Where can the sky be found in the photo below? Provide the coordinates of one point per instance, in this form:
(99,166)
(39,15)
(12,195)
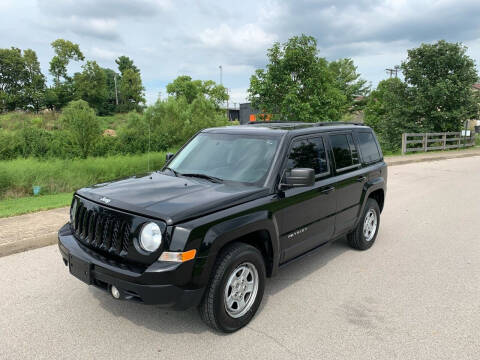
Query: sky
(168,38)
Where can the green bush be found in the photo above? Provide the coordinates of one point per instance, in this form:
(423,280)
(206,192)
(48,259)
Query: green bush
(80,120)
(57,176)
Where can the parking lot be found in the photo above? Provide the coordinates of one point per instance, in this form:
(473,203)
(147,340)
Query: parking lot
(415,294)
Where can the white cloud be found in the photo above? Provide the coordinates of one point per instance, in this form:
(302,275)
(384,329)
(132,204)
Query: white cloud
(167,38)
(246,38)
(104,54)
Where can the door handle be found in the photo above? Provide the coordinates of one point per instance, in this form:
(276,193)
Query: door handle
(361,178)
(327,190)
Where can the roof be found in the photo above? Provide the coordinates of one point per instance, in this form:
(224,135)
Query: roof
(282,127)
(476,86)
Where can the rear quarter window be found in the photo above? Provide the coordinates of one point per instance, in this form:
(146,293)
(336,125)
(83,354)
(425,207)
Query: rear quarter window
(368,147)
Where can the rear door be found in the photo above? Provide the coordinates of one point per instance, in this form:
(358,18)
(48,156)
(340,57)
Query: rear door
(308,213)
(349,179)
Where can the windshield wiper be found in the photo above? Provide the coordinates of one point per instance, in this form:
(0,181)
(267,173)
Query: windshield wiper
(204,176)
(173,171)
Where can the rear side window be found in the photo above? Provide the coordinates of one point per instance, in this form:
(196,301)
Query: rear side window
(308,154)
(368,147)
(344,151)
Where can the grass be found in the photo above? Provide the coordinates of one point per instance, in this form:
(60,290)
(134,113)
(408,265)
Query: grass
(50,120)
(11,207)
(17,177)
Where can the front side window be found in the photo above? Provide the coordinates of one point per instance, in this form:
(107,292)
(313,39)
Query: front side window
(368,147)
(344,150)
(231,157)
(308,154)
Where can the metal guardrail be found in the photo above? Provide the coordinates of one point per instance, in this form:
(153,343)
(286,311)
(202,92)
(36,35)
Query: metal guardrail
(436,141)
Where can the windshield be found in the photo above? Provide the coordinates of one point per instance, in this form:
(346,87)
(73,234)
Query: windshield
(234,157)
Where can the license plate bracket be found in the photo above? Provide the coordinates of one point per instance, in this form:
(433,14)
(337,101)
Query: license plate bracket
(80,269)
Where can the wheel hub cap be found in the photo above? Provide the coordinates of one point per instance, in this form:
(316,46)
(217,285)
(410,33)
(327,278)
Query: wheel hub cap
(370,225)
(241,290)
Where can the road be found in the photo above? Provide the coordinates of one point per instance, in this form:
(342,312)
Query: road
(414,295)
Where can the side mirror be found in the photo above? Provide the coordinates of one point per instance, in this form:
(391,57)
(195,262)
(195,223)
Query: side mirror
(169,156)
(299,177)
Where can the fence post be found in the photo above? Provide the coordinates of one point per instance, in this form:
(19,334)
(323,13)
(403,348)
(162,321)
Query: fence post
(404,143)
(425,142)
(444,141)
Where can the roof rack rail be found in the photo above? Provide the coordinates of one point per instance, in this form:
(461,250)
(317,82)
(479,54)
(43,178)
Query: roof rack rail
(321,123)
(274,122)
(330,123)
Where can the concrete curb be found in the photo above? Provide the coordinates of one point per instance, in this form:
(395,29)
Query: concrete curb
(392,162)
(28,244)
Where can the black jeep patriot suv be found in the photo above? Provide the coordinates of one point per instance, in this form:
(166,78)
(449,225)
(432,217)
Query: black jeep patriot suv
(225,212)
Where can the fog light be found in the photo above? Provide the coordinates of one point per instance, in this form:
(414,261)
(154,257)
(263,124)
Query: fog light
(115,292)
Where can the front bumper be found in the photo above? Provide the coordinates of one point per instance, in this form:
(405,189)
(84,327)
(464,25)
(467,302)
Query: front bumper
(162,283)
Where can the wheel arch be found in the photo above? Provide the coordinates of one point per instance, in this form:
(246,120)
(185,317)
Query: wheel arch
(374,189)
(258,229)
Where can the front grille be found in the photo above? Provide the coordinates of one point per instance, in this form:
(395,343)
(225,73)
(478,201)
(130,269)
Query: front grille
(101,230)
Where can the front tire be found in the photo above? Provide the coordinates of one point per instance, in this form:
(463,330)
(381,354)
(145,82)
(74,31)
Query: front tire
(235,290)
(364,235)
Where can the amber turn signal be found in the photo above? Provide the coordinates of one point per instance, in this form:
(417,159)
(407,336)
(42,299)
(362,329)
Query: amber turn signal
(178,256)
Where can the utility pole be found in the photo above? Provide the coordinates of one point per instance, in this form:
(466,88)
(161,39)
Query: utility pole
(395,70)
(228,111)
(221,74)
(116,92)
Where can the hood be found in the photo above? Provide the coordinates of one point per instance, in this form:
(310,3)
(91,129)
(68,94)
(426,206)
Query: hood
(172,199)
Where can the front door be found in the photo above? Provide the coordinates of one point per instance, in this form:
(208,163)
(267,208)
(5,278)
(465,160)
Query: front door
(307,213)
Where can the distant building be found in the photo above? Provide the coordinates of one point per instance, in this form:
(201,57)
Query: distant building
(249,114)
(233,114)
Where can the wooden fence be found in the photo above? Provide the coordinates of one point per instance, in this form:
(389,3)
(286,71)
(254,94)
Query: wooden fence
(435,141)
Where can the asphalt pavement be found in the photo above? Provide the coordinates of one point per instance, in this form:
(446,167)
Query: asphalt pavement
(414,295)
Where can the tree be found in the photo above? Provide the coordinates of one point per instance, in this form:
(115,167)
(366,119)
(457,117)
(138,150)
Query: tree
(63,90)
(124,63)
(389,111)
(131,90)
(91,86)
(348,81)
(184,86)
(297,84)
(110,105)
(440,77)
(12,79)
(65,51)
(34,91)
(82,124)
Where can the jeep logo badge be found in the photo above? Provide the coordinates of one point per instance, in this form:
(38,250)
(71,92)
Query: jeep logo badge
(105,200)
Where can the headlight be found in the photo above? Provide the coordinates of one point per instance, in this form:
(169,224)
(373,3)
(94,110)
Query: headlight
(150,237)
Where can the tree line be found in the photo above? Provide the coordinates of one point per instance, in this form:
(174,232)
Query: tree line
(435,94)
(23,86)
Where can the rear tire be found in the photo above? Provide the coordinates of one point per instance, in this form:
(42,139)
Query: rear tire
(364,235)
(235,290)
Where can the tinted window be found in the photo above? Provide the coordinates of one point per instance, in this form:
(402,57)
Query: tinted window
(308,154)
(344,150)
(368,147)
